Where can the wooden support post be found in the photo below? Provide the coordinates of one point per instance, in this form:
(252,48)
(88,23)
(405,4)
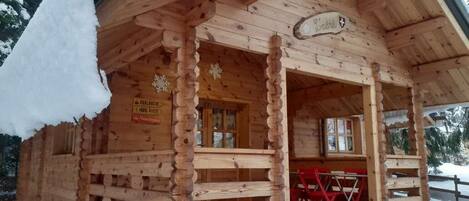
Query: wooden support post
(381,129)
(411,132)
(277,120)
(417,102)
(185,101)
(84,149)
(375,138)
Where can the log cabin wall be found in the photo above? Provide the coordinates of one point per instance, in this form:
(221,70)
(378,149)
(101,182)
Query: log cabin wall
(135,80)
(309,148)
(47,175)
(242,81)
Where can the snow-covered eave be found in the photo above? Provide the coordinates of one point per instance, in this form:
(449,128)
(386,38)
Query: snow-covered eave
(51,76)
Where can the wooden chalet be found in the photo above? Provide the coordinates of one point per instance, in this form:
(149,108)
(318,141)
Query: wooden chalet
(221,99)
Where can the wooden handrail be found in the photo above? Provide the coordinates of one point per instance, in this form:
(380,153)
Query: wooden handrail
(130,154)
(234,151)
(404,157)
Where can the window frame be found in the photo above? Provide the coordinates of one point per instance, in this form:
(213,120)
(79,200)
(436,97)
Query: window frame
(206,108)
(346,135)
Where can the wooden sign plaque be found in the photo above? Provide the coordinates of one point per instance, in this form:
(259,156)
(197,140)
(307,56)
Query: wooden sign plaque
(324,23)
(146,111)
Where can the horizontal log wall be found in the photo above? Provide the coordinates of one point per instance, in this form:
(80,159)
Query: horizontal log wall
(48,176)
(135,80)
(345,56)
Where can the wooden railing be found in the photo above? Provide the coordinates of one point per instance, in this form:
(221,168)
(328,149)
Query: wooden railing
(213,158)
(146,175)
(404,176)
(457,182)
(130,176)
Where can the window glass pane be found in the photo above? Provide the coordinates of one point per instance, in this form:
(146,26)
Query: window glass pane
(331,143)
(198,138)
(349,143)
(330,126)
(341,143)
(340,127)
(229,140)
(217,119)
(349,127)
(200,119)
(218,139)
(231,119)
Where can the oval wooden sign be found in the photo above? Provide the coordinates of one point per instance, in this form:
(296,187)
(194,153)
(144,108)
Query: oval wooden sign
(324,23)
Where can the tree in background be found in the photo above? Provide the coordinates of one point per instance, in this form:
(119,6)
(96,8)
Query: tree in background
(9,155)
(448,142)
(14,16)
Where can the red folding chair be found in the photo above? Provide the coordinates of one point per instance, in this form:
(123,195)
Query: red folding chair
(311,177)
(362,185)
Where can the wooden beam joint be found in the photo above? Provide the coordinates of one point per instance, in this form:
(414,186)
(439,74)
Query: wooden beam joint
(201,12)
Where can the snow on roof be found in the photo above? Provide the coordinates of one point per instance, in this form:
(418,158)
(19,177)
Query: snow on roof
(51,76)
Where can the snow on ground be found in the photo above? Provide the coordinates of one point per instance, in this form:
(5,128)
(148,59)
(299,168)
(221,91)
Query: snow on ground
(450,170)
(51,75)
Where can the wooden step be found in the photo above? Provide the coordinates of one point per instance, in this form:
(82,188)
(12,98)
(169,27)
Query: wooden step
(402,183)
(413,198)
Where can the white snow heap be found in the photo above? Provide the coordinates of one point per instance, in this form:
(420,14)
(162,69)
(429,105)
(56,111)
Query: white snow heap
(51,76)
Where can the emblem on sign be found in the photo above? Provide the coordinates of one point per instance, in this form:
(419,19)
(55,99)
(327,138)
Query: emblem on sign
(324,23)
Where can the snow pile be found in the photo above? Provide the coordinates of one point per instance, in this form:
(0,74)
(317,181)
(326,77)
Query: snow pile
(51,75)
(450,170)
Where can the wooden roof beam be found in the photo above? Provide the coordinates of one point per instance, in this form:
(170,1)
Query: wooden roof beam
(431,71)
(367,6)
(112,13)
(201,12)
(159,21)
(136,46)
(405,36)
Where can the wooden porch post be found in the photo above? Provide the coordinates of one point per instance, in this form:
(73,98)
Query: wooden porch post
(375,138)
(277,120)
(185,101)
(416,110)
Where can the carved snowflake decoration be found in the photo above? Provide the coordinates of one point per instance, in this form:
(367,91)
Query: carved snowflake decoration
(215,71)
(161,83)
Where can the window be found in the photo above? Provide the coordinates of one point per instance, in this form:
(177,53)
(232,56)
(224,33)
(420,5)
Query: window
(217,125)
(339,133)
(64,138)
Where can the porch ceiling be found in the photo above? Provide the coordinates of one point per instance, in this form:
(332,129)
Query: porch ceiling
(425,33)
(335,99)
